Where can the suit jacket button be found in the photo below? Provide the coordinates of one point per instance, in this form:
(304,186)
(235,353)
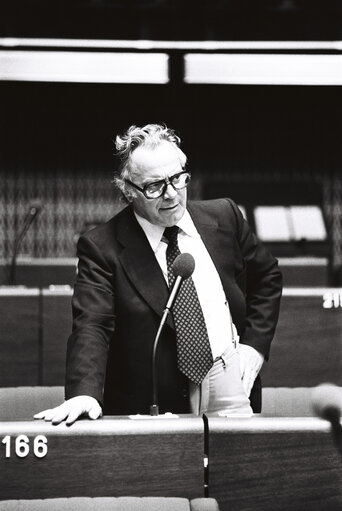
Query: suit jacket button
(185,393)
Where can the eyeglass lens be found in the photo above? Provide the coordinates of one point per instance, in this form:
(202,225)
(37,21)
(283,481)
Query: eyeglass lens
(157,189)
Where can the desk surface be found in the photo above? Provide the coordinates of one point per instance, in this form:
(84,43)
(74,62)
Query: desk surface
(108,425)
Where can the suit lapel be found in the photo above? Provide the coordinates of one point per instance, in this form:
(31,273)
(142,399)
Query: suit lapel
(141,265)
(220,245)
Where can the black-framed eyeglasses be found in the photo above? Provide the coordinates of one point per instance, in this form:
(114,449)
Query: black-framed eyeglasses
(157,188)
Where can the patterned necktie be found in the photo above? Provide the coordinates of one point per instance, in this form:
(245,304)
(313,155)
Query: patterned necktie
(193,348)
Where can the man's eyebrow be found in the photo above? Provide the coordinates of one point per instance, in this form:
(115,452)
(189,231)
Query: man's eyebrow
(156,180)
(153,180)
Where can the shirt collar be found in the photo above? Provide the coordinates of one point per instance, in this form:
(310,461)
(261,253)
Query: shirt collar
(154,233)
(187,226)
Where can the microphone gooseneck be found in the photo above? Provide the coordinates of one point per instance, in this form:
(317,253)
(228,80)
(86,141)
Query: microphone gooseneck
(326,402)
(183,267)
(34,210)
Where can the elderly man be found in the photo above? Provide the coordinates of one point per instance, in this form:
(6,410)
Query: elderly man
(224,317)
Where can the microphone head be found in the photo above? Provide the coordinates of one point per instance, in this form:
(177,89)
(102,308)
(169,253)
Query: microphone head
(35,206)
(183,266)
(326,402)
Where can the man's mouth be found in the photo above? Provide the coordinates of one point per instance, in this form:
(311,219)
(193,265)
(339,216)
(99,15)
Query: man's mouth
(170,207)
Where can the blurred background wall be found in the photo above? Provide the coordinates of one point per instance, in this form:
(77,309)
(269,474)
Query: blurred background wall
(262,143)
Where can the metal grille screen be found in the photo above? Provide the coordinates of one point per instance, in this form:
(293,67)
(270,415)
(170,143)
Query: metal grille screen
(71,203)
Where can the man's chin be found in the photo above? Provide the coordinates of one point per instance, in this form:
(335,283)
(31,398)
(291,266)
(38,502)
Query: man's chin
(172,216)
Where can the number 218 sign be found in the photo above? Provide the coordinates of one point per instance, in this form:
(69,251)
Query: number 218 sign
(332,300)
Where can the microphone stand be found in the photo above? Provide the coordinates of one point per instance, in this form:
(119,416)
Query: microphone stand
(333,415)
(34,210)
(326,403)
(154,408)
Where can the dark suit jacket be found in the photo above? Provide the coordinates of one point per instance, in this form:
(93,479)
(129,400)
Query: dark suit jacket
(120,295)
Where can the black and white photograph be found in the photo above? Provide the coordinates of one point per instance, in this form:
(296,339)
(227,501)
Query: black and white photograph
(170,255)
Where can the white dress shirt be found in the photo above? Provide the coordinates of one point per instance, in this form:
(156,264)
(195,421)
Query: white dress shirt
(221,330)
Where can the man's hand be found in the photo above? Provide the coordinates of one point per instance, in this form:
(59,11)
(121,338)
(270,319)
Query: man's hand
(71,410)
(250,364)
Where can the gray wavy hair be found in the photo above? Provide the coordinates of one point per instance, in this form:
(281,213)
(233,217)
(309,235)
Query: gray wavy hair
(150,136)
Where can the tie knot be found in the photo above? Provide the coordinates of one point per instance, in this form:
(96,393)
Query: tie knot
(171,233)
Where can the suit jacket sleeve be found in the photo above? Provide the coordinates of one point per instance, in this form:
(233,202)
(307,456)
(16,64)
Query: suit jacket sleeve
(262,286)
(93,323)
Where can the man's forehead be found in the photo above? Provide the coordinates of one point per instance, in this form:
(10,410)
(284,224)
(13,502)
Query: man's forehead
(149,159)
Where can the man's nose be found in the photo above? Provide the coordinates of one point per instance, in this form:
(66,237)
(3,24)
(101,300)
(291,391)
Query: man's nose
(170,192)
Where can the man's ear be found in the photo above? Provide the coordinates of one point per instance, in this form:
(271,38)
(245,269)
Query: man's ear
(128,194)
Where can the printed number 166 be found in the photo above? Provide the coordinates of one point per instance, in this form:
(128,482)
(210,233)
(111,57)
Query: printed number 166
(22,446)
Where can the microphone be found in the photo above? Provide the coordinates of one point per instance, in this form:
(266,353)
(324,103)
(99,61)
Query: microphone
(183,267)
(326,402)
(34,210)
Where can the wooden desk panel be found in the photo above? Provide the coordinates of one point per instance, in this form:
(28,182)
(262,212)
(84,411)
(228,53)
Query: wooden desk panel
(306,351)
(109,457)
(307,348)
(19,337)
(41,272)
(34,329)
(272,464)
(57,325)
(304,271)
